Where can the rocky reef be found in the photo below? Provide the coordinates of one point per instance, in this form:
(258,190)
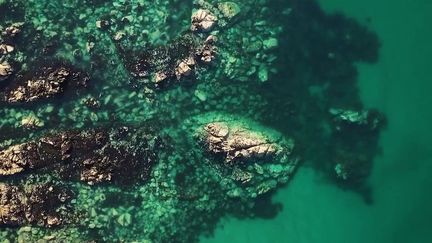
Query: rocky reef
(179,114)
(42,205)
(44,83)
(92,156)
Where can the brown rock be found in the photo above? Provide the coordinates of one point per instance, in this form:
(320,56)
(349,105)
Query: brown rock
(92,156)
(45,83)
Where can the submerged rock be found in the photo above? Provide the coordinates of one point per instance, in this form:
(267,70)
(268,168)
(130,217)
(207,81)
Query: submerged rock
(162,61)
(207,51)
(13,30)
(46,82)
(370,119)
(174,61)
(93,156)
(42,205)
(229,9)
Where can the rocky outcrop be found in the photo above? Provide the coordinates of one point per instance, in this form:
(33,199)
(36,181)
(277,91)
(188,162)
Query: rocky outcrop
(93,156)
(42,205)
(238,143)
(45,82)
(252,158)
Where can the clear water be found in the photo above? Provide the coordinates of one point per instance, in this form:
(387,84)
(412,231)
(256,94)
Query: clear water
(400,85)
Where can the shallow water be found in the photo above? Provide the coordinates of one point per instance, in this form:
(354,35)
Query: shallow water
(399,85)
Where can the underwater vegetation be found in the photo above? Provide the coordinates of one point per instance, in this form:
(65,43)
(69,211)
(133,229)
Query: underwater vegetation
(148,121)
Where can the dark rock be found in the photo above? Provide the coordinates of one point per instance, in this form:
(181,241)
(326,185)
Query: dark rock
(12,30)
(163,58)
(164,64)
(93,156)
(36,204)
(45,82)
(369,119)
(92,103)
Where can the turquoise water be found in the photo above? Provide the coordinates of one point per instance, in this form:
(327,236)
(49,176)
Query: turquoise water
(399,85)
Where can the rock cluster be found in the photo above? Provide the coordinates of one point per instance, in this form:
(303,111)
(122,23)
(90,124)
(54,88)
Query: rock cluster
(46,82)
(181,57)
(12,30)
(36,204)
(174,61)
(19,158)
(91,156)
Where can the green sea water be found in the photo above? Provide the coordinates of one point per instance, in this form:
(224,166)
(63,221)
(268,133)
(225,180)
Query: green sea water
(399,85)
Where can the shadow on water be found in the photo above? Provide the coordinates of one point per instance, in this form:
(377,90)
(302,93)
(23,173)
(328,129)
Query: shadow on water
(316,63)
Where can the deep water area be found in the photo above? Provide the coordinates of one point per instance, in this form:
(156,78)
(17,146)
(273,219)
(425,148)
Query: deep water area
(211,121)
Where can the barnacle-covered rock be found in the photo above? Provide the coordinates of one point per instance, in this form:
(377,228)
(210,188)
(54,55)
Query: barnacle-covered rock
(46,82)
(43,205)
(92,156)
